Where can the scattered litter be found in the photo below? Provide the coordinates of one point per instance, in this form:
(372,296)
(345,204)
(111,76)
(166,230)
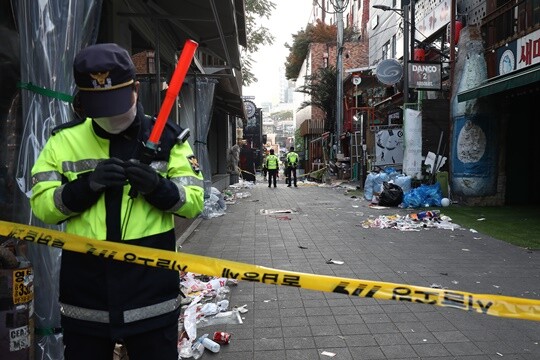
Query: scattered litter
(337,262)
(496,286)
(242,309)
(281,217)
(477,238)
(481,219)
(282,211)
(215,205)
(465,250)
(328,353)
(498,353)
(473,231)
(411,223)
(302,247)
(445,274)
(436,286)
(378,207)
(455,282)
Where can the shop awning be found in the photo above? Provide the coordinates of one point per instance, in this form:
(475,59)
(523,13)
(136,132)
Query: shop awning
(506,83)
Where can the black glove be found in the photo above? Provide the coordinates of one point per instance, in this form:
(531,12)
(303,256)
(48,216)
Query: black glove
(143,178)
(108,173)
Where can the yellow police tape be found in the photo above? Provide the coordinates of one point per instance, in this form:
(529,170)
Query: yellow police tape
(495,305)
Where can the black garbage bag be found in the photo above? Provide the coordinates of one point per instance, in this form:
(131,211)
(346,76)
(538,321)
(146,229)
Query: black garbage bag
(391,195)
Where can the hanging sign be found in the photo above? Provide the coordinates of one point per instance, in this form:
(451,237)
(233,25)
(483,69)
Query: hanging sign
(425,75)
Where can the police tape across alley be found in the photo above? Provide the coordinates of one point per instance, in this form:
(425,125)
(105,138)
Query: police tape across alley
(488,304)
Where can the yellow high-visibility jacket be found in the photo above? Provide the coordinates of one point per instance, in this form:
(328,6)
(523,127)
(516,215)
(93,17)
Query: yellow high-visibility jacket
(99,294)
(272,162)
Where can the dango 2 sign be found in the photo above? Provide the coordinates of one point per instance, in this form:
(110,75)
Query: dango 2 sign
(425,75)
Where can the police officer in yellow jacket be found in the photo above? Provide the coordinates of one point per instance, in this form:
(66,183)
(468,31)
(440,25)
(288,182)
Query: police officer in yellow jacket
(272,164)
(292,163)
(83,177)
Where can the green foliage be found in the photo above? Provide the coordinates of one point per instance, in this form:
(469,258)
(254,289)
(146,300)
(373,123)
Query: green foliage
(322,89)
(318,33)
(298,141)
(257,35)
(282,115)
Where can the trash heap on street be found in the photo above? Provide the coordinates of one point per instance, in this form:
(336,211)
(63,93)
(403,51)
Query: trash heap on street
(390,188)
(416,221)
(205,303)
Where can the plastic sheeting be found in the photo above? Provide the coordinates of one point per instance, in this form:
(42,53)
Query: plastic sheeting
(204,96)
(186,101)
(51,33)
(412,157)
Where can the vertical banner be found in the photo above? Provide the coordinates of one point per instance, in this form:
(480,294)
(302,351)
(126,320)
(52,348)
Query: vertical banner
(474,156)
(412,157)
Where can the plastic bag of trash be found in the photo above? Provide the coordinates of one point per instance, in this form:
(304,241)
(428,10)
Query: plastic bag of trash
(423,196)
(214,205)
(392,195)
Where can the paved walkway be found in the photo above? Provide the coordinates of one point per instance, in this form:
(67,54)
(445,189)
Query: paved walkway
(291,323)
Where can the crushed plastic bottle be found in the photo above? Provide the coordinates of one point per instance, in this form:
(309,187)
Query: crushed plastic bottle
(209,343)
(197,349)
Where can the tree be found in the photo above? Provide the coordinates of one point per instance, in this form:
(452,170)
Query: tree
(256,34)
(321,86)
(298,140)
(318,33)
(282,115)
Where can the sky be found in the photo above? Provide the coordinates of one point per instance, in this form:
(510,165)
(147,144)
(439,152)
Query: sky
(289,17)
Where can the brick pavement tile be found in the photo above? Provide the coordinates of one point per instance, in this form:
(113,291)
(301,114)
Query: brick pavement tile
(299,343)
(354,329)
(420,337)
(399,351)
(324,330)
(450,336)
(301,354)
(433,350)
(267,332)
(463,349)
(390,339)
(294,321)
(296,331)
(360,340)
(267,344)
(367,353)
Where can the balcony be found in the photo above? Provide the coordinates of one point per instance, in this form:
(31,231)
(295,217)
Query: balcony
(312,127)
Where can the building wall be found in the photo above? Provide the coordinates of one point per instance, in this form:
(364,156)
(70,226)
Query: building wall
(355,55)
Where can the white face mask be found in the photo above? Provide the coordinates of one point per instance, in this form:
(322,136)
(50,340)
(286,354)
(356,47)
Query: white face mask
(118,123)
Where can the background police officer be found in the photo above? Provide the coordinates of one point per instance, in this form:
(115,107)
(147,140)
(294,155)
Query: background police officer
(272,164)
(292,163)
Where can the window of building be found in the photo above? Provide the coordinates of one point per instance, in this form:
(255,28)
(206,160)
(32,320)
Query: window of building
(386,50)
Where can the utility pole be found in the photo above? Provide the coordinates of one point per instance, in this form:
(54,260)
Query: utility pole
(406,46)
(339,67)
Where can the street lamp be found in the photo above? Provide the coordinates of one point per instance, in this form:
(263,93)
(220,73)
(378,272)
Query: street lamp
(404,12)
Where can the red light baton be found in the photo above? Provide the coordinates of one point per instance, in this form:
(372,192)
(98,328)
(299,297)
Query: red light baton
(172,92)
(151,145)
